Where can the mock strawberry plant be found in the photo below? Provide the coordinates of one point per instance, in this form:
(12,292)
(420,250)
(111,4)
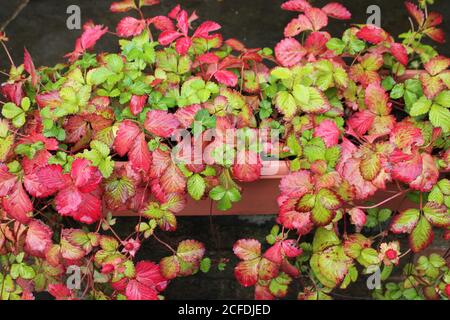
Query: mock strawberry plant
(179,112)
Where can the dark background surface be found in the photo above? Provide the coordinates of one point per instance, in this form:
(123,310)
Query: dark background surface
(41,27)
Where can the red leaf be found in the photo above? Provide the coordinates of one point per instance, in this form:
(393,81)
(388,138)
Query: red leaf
(296,184)
(45,182)
(405,167)
(183,22)
(139,155)
(168,36)
(436,34)
(182,45)
(377,100)
(429,175)
(235,45)
(208,58)
(190,251)
(357,217)
(126,135)
(317,17)
(290,248)
(92,33)
(372,34)
(263,293)
(173,181)
(143,3)
(18,205)
(247,249)
(76,128)
(162,23)
(328,131)
(415,12)
(361,121)
(170,267)
(52,177)
(300,221)
(296,5)
(160,161)
(85,176)
(434,19)
(13,92)
(226,77)
(436,65)
(122,6)
(400,53)
(137,103)
(282,249)
(68,200)
(246,272)
(39,238)
(289,52)
(50,99)
(186,115)
(337,11)
(30,68)
(173,14)
(90,209)
(149,274)
(7,180)
(161,123)
(60,291)
(205,28)
(247,167)
(405,134)
(138,291)
(351,172)
(130,26)
(316,43)
(297,26)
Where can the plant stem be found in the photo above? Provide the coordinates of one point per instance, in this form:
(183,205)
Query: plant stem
(384,201)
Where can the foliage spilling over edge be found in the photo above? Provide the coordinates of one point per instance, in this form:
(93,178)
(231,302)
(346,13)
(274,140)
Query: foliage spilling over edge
(347,122)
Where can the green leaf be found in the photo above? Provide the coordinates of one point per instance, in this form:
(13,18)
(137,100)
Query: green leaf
(205,265)
(25,104)
(368,257)
(397,91)
(11,111)
(405,221)
(333,265)
(217,193)
(438,215)
(440,117)
(422,235)
(281,73)
(196,186)
(443,98)
(420,107)
(324,238)
(286,104)
(98,76)
(114,62)
(436,260)
(386,272)
(410,293)
(106,167)
(384,215)
(336,45)
(388,83)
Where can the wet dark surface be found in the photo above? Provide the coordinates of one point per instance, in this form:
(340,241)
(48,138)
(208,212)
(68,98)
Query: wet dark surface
(41,27)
